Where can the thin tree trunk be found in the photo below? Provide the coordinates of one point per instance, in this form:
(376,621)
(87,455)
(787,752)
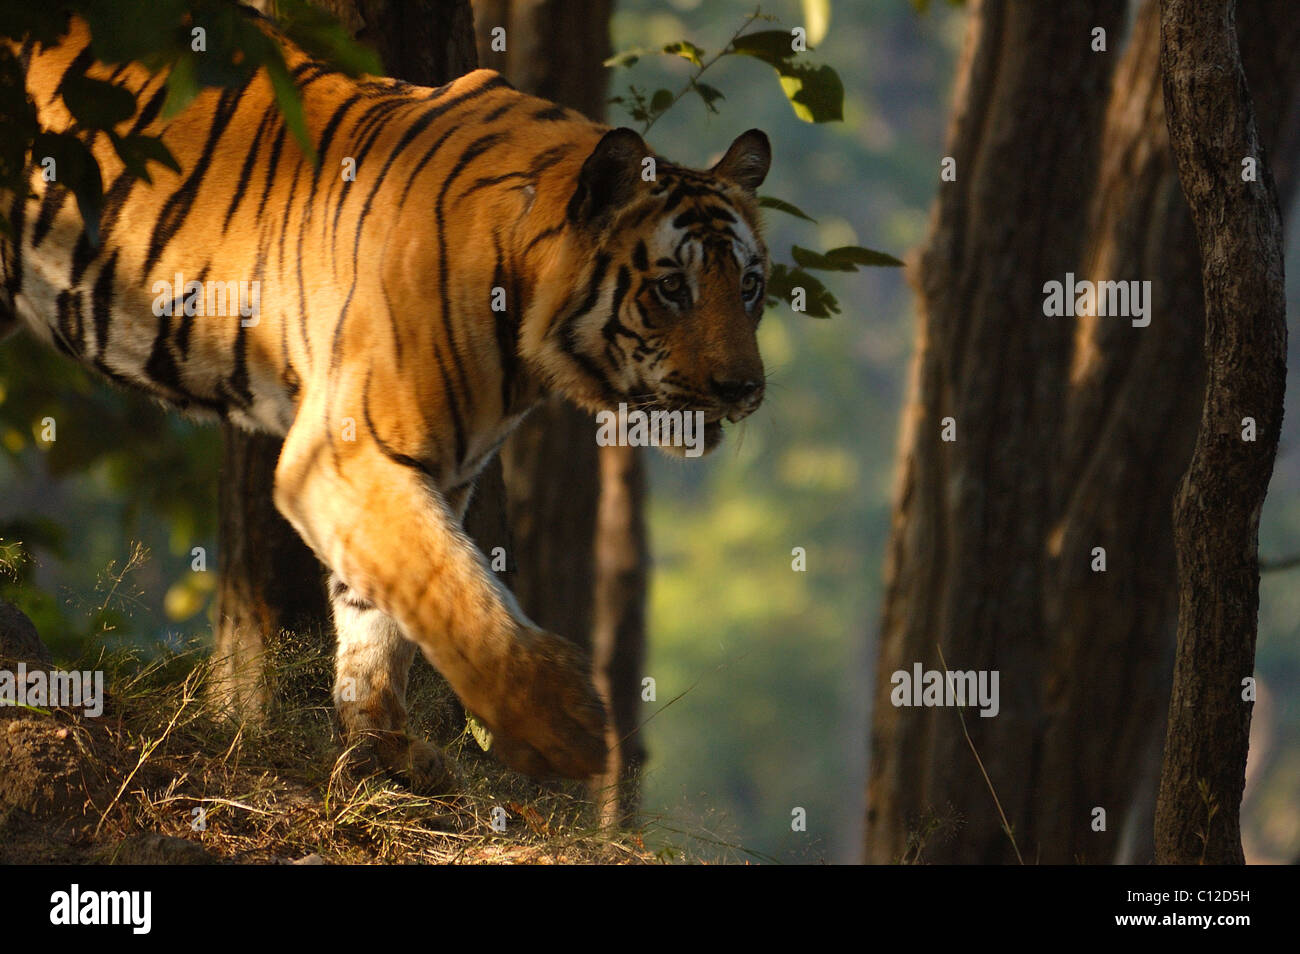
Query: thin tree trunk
(1133,407)
(1212,129)
(269,581)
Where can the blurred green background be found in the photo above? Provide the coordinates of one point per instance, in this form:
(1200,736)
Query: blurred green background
(772,666)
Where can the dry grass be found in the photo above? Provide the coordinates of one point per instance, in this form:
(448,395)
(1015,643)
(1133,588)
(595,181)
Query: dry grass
(164,759)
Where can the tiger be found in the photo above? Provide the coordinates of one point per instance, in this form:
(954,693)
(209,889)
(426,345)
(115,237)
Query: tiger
(487,250)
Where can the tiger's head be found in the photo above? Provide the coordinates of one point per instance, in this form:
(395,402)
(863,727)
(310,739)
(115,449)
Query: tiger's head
(675,275)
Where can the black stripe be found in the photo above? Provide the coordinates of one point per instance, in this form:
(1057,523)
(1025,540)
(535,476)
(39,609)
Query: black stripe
(392,453)
(51,203)
(237,384)
(453,405)
(327,136)
(177,207)
(544,234)
(272,168)
(475,149)
(614,327)
(567,329)
(246,173)
(83,253)
(151,109)
(71,322)
(187,321)
(161,367)
(367,132)
(506,335)
(488,181)
(17,214)
(101,304)
(547,158)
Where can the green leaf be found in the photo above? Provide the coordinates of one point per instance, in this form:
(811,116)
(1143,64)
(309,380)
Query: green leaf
(807,258)
(710,95)
(123,31)
(325,38)
(137,150)
(784,283)
(661,100)
(857,255)
(815,92)
(626,58)
(182,86)
(94,103)
(771,202)
(290,102)
(482,734)
(770,46)
(686,50)
(75,169)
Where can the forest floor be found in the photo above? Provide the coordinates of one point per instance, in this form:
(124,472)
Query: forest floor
(161,776)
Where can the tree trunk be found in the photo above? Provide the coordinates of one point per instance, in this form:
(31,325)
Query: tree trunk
(1133,406)
(575,508)
(1129,402)
(1216,513)
(270,581)
(964,567)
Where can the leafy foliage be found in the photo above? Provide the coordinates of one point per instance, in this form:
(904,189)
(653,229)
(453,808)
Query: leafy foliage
(201,43)
(816,95)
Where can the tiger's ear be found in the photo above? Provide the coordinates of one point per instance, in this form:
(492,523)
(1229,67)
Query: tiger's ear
(610,176)
(747,160)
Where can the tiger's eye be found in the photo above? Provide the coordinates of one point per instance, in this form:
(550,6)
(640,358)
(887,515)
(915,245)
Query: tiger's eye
(671,284)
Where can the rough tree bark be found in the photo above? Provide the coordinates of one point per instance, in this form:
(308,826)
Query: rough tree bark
(964,566)
(269,581)
(1212,129)
(1133,406)
(1130,402)
(575,508)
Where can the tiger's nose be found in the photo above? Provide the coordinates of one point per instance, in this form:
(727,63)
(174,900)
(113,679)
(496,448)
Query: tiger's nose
(747,391)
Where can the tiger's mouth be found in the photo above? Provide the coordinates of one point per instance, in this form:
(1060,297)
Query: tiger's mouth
(698,428)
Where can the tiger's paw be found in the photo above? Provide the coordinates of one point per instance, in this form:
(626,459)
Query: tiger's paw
(550,722)
(423,768)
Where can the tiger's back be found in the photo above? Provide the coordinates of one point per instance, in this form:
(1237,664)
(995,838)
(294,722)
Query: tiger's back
(259,228)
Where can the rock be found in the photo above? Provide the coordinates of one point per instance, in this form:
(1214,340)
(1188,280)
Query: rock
(312,859)
(150,848)
(19,641)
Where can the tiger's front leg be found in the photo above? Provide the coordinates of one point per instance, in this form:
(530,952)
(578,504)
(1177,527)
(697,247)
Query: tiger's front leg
(372,664)
(387,533)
